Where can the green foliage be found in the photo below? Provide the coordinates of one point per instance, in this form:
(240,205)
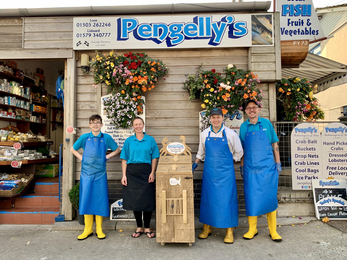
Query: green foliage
(43,150)
(129,76)
(228,93)
(298,100)
(74,195)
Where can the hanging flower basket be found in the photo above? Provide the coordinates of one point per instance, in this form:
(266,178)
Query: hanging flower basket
(228,93)
(128,77)
(298,100)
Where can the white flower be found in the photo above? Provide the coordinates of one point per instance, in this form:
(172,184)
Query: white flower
(230,66)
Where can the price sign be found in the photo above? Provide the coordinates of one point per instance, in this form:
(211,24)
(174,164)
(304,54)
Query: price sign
(17,146)
(15,164)
(69,129)
(306,156)
(330,198)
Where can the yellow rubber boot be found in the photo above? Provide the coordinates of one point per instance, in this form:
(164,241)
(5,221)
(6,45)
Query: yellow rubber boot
(229,237)
(88,227)
(271,221)
(252,231)
(206,231)
(98,221)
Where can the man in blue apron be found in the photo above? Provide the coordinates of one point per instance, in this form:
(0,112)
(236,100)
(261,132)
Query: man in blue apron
(93,198)
(260,168)
(218,146)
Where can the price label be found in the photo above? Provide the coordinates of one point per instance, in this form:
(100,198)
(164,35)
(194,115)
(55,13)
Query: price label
(69,129)
(17,146)
(15,164)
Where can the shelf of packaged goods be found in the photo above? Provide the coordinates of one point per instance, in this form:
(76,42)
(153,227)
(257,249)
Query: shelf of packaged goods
(13,119)
(3,93)
(20,192)
(10,77)
(37,123)
(26,144)
(39,103)
(47,160)
(14,107)
(41,113)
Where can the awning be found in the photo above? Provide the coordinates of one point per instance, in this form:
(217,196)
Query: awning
(254,6)
(324,72)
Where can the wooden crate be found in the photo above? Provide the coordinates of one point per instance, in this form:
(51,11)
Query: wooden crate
(175,199)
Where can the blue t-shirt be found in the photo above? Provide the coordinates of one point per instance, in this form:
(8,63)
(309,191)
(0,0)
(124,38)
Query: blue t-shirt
(267,127)
(139,151)
(81,142)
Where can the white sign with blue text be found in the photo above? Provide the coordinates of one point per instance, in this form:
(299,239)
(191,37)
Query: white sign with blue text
(334,151)
(167,31)
(298,20)
(306,156)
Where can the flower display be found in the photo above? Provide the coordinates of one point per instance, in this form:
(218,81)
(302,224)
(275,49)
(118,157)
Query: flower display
(298,100)
(228,93)
(128,77)
(121,108)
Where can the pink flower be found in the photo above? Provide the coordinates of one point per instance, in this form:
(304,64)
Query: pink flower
(240,108)
(236,83)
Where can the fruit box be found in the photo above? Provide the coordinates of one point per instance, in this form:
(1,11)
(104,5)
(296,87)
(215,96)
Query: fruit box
(47,170)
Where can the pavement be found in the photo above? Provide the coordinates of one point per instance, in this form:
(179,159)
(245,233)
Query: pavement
(303,238)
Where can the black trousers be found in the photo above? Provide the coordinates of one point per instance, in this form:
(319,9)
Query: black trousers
(146,218)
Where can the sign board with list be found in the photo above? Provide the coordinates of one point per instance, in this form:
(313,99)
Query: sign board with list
(330,198)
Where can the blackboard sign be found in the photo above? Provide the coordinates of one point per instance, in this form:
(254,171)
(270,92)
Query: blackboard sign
(119,213)
(330,198)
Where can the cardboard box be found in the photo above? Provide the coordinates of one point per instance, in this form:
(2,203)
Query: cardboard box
(47,170)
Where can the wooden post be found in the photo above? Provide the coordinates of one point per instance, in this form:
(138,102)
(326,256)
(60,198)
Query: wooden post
(69,139)
(277,41)
(185,207)
(163,206)
(272,102)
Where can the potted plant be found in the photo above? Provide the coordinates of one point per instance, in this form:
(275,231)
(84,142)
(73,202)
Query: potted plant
(74,195)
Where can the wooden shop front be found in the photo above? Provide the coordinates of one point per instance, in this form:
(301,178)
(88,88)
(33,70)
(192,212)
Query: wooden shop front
(169,112)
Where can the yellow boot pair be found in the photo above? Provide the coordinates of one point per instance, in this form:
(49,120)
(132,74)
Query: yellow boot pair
(271,220)
(207,231)
(88,227)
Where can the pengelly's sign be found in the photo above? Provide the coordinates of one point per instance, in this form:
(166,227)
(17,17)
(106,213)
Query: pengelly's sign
(181,31)
(316,155)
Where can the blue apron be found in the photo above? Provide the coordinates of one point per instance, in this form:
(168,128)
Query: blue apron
(93,183)
(260,176)
(219,205)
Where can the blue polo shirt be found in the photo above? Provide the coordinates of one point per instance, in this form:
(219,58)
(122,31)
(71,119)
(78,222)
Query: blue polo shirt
(267,127)
(139,151)
(81,142)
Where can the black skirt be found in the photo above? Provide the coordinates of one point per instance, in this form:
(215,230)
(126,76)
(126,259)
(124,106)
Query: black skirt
(138,195)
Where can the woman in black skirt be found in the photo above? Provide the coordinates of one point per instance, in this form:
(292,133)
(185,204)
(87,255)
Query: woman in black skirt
(139,160)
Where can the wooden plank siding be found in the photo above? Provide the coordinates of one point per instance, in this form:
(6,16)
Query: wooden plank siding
(168,109)
(11,33)
(48,32)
